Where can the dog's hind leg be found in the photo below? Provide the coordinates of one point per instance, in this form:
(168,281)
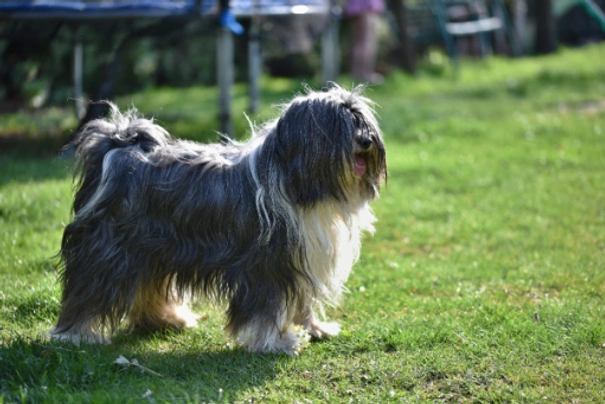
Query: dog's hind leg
(79,321)
(156,307)
(88,331)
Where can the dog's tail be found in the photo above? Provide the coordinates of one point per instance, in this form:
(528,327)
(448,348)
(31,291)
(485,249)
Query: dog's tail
(99,136)
(97,140)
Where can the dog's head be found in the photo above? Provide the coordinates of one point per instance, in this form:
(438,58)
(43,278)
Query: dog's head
(329,146)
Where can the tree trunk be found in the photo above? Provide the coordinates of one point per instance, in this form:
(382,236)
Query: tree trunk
(406,52)
(546,41)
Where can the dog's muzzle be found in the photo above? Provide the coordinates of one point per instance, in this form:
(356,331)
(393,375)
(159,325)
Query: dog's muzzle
(364,143)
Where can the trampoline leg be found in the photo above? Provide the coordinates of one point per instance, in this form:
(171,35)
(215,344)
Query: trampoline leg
(255,64)
(330,53)
(224,73)
(77,74)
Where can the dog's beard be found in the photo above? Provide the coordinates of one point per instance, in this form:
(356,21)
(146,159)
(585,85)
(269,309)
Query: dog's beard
(272,226)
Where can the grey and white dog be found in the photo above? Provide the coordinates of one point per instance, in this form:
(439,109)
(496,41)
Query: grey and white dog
(271,227)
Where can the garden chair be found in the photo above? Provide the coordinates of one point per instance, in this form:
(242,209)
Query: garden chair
(448,20)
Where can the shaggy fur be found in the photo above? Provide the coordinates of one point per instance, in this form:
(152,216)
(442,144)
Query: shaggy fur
(272,227)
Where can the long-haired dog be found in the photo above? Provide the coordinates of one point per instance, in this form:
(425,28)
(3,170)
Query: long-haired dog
(271,227)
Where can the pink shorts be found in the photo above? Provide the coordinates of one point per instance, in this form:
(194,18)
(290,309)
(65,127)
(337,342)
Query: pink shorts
(356,7)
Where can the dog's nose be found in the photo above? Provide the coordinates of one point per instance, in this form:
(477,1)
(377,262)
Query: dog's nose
(364,142)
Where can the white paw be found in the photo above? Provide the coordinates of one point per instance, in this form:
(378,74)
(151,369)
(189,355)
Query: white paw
(321,329)
(292,339)
(184,317)
(76,338)
(302,338)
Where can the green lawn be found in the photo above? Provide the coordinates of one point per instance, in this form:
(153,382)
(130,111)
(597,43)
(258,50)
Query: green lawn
(485,281)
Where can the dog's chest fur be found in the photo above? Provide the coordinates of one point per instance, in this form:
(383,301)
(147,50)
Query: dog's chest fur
(332,238)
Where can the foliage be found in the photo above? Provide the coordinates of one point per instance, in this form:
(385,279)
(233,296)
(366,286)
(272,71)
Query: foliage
(484,282)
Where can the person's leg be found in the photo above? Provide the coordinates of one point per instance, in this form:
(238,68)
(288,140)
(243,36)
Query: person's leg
(365,47)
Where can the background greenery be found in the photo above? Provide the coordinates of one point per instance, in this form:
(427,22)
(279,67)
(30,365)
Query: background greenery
(485,281)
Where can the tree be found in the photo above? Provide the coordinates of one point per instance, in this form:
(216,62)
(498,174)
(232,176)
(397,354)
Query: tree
(406,51)
(545,27)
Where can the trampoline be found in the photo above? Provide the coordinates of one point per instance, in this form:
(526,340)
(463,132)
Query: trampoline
(225,11)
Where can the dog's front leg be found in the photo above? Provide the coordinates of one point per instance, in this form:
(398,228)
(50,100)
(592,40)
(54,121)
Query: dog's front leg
(264,337)
(316,328)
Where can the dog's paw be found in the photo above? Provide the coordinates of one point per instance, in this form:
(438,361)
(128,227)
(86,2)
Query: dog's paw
(291,340)
(322,329)
(184,317)
(302,338)
(79,337)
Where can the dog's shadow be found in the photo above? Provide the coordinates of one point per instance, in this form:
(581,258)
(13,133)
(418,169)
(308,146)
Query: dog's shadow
(199,363)
(170,370)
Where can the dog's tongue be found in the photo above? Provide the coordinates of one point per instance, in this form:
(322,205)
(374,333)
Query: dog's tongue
(359,168)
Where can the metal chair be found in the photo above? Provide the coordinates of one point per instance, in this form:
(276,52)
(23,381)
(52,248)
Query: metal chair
(477,19)
(446,21)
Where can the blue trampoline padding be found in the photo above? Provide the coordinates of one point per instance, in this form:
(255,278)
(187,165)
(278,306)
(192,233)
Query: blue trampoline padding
(270,7)
(227,20)
(40,9)
(92,6)
(95,9)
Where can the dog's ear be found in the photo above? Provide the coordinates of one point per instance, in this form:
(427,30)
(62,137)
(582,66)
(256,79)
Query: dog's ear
(313,141)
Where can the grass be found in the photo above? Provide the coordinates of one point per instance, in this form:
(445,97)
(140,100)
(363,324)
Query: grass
(485,281)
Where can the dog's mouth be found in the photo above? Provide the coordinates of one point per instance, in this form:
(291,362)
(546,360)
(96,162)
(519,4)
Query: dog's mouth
(360,165)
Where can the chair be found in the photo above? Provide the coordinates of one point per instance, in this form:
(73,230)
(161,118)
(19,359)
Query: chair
(447,21)
(474,19)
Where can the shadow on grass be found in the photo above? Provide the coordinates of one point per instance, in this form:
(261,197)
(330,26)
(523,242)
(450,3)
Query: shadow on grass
(44,370)
(25,167)
(189,367)
(33,146)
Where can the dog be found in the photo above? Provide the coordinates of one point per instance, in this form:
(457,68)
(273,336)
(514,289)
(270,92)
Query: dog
(271,227)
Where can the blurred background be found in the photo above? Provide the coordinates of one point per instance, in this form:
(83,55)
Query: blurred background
(485,279)
(129,55)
